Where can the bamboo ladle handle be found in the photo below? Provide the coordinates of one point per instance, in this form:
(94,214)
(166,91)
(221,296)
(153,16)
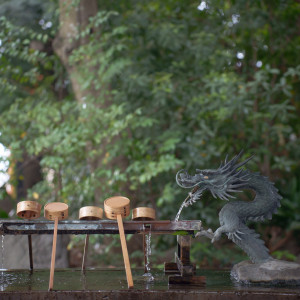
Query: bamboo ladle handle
(116,208)
(53,255)
(55,211)
(85,251)
(125,252)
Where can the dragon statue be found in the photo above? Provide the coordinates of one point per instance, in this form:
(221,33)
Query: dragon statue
(221,183)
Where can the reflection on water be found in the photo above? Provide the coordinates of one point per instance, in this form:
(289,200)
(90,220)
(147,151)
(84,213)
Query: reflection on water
(115,279)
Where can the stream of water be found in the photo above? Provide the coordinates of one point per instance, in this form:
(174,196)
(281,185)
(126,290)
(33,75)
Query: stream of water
(2,253)
(179,211)
(2,264)
(184,203)
(148,274)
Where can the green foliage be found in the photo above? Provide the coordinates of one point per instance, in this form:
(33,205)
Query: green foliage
(289,214)
(284,254)
(216,256)
(167,86)
(3,214)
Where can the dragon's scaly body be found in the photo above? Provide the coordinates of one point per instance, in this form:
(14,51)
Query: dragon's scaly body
(224,181)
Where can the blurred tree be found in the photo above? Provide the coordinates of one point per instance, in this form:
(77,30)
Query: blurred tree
(139,89)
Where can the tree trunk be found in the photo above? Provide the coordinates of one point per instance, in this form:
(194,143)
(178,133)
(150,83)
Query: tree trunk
(73,20)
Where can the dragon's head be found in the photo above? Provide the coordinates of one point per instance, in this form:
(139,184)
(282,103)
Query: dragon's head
(220,182)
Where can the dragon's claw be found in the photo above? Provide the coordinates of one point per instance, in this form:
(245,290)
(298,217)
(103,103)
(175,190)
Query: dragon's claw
(235,235)
(217,235)
(240,232)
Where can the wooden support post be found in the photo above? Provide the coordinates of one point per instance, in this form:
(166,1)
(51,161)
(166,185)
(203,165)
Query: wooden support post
(184,247)
(182,258)
(185,270)
(183,265)
(30,252)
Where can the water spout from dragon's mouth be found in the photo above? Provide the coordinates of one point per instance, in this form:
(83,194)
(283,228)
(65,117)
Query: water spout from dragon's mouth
(185,180)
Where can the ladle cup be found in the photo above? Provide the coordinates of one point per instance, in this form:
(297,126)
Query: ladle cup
(55,211)
(89,213)
(117,208)
(29,210)
(143,214)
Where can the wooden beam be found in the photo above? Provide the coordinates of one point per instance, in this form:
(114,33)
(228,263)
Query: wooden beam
(15,227)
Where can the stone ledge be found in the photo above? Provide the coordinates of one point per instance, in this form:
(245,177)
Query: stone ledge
(271,272)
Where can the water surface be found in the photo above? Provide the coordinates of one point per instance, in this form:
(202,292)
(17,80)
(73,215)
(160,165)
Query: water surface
(115,279)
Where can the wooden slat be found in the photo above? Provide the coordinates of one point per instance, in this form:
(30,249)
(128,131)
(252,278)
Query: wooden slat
(171,267)
(190,280)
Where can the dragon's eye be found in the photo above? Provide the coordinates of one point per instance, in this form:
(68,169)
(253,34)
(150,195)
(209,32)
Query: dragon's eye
(205,177)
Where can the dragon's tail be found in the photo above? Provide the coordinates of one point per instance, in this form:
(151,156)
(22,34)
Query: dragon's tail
(249,241)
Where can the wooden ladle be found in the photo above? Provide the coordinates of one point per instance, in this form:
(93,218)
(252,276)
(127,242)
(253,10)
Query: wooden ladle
(143,214)
(29,210)
(89,213)
(117,208)
(55,211)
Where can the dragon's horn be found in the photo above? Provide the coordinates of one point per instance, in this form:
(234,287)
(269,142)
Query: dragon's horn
(225,161)
(244,162)
(231,163)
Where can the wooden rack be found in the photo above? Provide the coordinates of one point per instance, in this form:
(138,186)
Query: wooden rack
(183,229)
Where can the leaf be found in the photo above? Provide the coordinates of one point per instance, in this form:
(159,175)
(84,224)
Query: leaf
(3,214)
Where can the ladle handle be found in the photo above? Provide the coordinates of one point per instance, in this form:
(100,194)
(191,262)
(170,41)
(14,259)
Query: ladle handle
(86,246)
(125,252)
(53,255)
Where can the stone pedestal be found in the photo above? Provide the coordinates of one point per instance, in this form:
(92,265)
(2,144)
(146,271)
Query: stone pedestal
(271,272)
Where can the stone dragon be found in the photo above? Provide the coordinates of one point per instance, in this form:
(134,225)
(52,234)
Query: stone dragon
(221,183)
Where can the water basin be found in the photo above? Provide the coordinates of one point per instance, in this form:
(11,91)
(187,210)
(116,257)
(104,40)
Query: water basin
(112,284)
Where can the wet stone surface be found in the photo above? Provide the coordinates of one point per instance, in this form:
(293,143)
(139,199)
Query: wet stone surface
(271,272)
